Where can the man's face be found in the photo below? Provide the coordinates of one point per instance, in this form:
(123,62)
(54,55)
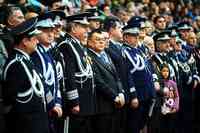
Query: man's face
(132,40)
(116,32)
(46,37)
(94,24)
(164,46)
(184,33)
(160,23)
(16,18)
(97,42)
(123,15)
(80,32)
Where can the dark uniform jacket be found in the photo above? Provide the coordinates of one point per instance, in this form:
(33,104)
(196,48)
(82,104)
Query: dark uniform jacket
(140,74)
(46,66)
(78,76)
(23,90)
(159,59)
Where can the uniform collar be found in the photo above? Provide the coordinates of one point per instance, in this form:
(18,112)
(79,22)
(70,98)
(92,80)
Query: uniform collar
(24,53)
(46,49)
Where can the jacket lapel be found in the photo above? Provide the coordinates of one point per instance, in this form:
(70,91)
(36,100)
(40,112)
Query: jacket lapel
(101,63)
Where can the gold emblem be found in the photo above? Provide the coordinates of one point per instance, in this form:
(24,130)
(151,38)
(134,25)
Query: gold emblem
(88,59)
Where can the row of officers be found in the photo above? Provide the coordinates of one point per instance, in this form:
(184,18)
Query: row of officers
(97,80)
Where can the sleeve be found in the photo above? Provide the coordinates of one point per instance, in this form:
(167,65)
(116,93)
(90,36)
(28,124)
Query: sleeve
(192,63)
(158,82)
(70,92)
(3,57)
(131,83)
(58,98)
(12,82)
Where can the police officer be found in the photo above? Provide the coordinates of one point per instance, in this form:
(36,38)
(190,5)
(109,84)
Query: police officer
(189,80)
(94,18)
(161,57)
(47,67)
(138,66)
(79,95)
(138,21)
(162,50)
(23,89)
(57,18)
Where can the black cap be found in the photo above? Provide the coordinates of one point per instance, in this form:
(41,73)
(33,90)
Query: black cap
(26,28)
(131,30)
(136,21)
(162,36)
(80,18)
(52,14)
(173,30)
(94,14)
(184,26)
(50,19)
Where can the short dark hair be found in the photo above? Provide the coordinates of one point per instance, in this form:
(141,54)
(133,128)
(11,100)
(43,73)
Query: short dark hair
(110,22)
(8,11)
(157,17)
(100,31)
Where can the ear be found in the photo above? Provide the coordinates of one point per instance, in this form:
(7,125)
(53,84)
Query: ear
(10,20)
(24,41)
(74,28)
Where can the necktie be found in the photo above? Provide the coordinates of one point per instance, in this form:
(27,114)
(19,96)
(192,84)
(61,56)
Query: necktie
(104,58)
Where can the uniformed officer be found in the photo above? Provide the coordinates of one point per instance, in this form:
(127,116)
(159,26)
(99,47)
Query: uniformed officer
(79,95)
(184,28)
(161,57)
(138,21)
(189,80)
(95,18)
(57,19)
(162,50)
(46,65)
(140,80)
(23,89)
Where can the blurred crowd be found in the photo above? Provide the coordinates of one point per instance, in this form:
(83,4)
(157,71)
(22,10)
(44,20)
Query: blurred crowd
(103,66)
